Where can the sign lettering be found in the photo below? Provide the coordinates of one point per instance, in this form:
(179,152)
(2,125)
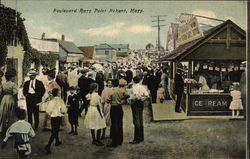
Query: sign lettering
(189,32)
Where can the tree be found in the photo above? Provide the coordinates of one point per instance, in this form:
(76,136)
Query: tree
(149,46)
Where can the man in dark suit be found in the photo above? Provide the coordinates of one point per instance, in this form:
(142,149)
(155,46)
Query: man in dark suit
(152,85)
(33,90)
(84,85)
(178,89)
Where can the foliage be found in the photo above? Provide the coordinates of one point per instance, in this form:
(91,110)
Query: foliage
(12,32)
(149,46)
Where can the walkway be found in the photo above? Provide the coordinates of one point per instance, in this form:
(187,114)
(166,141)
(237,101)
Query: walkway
(166,111)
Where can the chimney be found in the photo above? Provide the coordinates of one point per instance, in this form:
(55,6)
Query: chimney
(43,36)
(63,38)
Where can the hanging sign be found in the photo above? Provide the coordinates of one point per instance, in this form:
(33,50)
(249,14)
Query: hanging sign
(189,32)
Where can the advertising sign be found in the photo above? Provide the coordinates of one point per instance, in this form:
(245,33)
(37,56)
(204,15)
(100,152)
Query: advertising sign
(189,32)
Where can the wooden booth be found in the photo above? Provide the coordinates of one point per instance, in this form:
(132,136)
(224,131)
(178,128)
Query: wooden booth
(217,56)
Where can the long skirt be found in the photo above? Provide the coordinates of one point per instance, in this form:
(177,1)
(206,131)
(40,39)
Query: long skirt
(106,112)
(7,115)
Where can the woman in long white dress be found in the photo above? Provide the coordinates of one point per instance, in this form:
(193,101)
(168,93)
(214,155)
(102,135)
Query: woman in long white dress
(94,119)
(9,91)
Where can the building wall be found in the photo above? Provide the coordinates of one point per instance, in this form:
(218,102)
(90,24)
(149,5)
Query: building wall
(74,57)
(17,52)
(101,55)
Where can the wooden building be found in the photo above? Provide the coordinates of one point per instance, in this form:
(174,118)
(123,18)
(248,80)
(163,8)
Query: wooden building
(218,54)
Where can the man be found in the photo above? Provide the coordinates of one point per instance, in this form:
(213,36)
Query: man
(243,87)
(140,94)
(152,86)
(178,90)
(62,81)
(129,75)
(84,85)
(33,90)
(116,99)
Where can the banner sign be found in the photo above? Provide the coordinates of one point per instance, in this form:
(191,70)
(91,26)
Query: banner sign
(189,32)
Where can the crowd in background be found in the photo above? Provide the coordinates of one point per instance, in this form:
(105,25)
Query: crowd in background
(96,92)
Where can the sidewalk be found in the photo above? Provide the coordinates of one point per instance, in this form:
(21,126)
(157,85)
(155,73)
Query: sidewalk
(166,111)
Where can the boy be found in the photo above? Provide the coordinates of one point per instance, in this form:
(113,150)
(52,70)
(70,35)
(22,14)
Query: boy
(21,131)
(73,110)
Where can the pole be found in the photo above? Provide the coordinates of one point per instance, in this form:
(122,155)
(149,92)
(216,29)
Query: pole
(159,29)
(203,17)
(159,42)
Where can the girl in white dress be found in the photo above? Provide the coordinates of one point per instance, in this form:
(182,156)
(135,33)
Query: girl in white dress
(94,118)
(236,104)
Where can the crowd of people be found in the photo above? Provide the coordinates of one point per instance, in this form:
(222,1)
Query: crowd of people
(96,93)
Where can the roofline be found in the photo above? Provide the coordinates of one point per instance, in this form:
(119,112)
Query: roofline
(202,41)
(213,33)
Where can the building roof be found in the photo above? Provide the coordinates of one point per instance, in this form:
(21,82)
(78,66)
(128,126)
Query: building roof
(68,46)
(44,45)
(181,50)
(88,51)
(112,46)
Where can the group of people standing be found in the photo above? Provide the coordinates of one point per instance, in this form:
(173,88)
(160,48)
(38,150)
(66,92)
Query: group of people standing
(98,95)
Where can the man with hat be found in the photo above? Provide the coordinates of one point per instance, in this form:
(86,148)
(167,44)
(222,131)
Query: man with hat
(178,89)
(243,86)
(33,90)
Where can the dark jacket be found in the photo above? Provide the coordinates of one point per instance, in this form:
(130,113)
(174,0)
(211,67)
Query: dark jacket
(129,76)
(84,85)
(39,90)
(178,84)
(152,83)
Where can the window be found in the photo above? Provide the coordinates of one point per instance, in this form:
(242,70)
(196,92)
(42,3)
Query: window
(106,52)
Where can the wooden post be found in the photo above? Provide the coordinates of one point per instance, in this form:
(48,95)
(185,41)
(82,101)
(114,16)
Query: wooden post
(228,36)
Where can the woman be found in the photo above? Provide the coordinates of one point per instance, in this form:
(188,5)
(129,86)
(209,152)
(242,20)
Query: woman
(52,84)
(106,106)
(9,100)
(94,119)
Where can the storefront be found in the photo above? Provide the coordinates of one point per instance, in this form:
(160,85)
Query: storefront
(213,60)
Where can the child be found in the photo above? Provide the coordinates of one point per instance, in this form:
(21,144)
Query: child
(94,119)
(21,130)
(73,110)
(236,104)
(56,108)
(160,93)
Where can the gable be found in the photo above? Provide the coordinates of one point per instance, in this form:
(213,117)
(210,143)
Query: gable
(228,42)
(236,35)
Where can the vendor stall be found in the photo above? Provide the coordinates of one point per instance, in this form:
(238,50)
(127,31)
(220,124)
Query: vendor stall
(212,63)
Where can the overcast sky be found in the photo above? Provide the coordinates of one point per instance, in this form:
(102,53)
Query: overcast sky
(87,29)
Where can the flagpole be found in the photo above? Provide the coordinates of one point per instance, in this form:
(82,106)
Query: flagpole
(203,17)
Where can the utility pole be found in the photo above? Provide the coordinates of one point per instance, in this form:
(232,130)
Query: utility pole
(159,28)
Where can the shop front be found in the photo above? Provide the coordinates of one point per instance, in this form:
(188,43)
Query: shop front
(210,66)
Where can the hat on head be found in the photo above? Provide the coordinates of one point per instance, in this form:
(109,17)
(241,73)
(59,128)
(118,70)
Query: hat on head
(90,74)
(32,73)
(84,70)
(243,64)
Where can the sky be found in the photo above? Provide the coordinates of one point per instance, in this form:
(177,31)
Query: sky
(87,23)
